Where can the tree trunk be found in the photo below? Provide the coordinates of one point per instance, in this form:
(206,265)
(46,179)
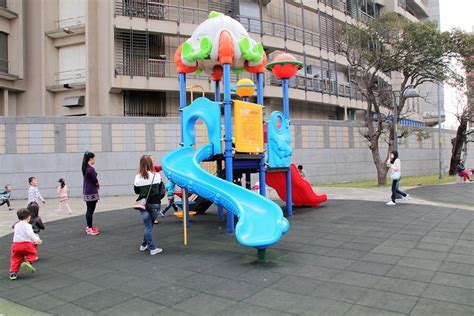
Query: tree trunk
(379,163)
(458,144)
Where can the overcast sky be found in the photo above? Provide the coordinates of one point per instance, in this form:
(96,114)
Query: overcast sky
(455,14)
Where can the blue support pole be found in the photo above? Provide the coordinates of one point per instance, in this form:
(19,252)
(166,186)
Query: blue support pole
(228,138)
(217,98)
(261,173)
(182,105)
(286,113)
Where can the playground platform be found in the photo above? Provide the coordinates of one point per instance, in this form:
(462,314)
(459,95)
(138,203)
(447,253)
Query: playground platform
(347,257)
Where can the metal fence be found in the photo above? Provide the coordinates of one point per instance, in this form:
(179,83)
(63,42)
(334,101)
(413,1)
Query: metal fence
(70,76)
(70,22)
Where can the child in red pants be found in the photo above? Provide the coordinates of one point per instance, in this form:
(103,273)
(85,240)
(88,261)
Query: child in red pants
(23,250)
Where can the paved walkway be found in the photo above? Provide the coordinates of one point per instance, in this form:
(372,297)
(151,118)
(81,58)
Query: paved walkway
(348,257)
(456,193)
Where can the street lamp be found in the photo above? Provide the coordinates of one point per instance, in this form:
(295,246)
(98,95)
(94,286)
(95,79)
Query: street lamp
(409,92)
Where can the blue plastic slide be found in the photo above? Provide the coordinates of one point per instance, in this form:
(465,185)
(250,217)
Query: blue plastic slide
(261,222)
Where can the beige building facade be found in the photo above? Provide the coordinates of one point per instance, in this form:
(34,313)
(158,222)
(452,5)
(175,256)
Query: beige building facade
(115,57)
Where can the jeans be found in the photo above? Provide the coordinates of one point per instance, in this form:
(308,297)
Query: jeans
(396,190)
(148,225)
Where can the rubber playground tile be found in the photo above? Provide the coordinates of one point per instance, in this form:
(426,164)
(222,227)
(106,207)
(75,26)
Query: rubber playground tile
(407,287)
(43,302)
(339,292)
(76,291)
(356,279)
(234,290)
(408,273)
(204,304)
(388,301)
(451,279)
(458,268)
(297,285)
(318,306)
(449,294)
(71,310)
(200,282)
(427,264)
(240,309)
(102,300)
(358,310)
(169,295)
(437,308)
(274,299)
(134,307)
(369,267)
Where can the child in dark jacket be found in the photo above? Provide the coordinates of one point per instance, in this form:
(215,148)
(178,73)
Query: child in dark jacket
(5,196)
(35,220)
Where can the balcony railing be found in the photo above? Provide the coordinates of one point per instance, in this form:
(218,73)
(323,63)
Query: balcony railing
(4,65)
(70,77)
(167,69)
(167,12)
(70,22)
(336,4)
(160,11)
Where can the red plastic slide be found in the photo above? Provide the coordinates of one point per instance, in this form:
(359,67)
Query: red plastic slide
(303,194)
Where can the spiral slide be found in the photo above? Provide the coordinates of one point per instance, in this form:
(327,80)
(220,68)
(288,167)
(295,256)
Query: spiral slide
(302,192)
(261,222)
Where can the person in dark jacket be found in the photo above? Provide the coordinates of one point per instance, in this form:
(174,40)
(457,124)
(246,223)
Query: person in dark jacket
(35,220)
(148,181)
(90,189)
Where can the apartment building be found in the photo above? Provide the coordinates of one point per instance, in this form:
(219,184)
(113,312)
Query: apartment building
(115,57)
(12,51)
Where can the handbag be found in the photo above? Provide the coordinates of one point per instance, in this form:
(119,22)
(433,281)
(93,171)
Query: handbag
(140,205)
(396,175)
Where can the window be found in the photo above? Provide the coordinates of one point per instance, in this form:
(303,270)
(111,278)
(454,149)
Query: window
(3,52)
(72,64)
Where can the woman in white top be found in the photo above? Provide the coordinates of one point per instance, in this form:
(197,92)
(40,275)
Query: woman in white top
(395,166)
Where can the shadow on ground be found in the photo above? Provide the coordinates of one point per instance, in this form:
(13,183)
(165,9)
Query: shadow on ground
(347,257)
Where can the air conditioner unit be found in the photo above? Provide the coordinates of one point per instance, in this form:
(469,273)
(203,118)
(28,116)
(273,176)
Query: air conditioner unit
(70,102)
(313,71)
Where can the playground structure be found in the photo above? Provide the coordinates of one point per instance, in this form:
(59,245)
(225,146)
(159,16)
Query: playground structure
(218,46)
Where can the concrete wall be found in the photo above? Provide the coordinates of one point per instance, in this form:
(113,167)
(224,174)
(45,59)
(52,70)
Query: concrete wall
(52,147)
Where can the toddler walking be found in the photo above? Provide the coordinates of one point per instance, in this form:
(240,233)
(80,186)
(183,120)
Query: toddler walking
(63,198)
(23,250)
(5,196)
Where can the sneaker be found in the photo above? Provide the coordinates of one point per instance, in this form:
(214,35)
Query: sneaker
(13,276)
(92,232)
(28,266)
(391,203)
(143,248)
(155,251)
(162,214)
(156,222)
(407,197)
(94,228)
(11,209)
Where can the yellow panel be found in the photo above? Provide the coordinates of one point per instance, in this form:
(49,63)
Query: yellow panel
(248,119)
